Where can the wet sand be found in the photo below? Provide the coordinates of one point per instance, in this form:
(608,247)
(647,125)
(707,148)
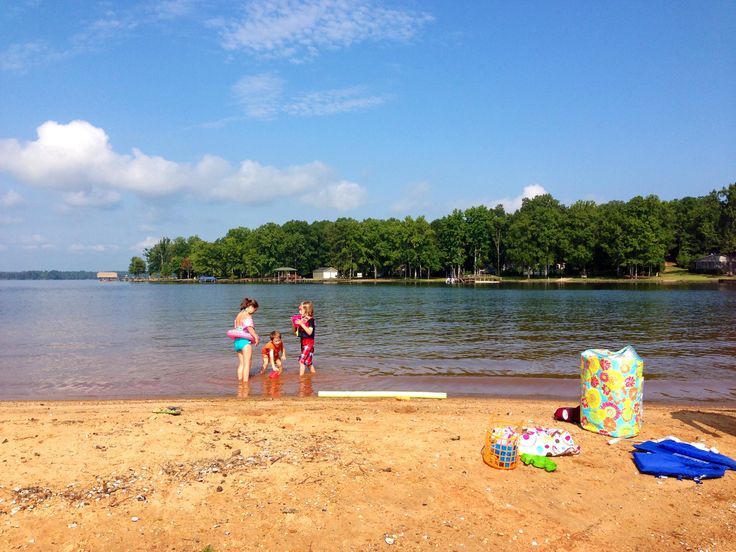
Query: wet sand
(342,474)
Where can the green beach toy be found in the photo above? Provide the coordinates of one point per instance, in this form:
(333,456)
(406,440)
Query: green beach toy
(172,410)
(537,461)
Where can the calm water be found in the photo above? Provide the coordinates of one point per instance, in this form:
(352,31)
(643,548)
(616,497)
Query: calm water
(85,339)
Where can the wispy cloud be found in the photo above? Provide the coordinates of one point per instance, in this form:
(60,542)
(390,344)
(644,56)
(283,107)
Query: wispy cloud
(92,198)
(94,35)
(22,56)
(330,102)
(4,221)
(96,248)
(78,160)
(10,198)
(260,96)
(263,97)
(299,30)
(416,197)
(34,242)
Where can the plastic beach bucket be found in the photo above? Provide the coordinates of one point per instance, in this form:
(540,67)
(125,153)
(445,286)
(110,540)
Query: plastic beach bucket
(501,447)
(611,391)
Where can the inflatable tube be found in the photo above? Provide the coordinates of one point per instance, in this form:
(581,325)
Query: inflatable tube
(237,333)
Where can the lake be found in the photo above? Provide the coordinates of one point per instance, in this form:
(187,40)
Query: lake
(88,339)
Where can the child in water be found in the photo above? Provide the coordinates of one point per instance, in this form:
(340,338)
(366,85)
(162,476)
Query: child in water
(242,346)
(274,353)
(305,330)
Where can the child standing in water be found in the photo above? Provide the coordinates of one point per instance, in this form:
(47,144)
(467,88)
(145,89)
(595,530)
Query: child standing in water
(305,330)
(242,346)
(274,353)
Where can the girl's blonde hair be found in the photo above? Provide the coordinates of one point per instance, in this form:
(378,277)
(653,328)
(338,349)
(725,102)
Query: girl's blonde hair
(308,307)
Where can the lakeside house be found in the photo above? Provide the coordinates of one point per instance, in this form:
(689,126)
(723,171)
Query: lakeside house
(107,276)
(714,263)
(324,273)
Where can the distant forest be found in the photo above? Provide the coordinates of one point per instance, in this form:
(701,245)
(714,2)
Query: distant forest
(542,238)
(49,275)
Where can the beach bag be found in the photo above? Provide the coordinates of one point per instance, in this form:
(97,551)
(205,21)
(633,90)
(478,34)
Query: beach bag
(611,391)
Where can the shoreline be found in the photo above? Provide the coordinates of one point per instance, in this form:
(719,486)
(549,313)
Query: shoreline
(487,388)
(342,474)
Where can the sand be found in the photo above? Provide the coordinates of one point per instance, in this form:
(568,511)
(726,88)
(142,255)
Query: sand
(339,474)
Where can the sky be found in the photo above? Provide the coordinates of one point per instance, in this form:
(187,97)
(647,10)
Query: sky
(124,122)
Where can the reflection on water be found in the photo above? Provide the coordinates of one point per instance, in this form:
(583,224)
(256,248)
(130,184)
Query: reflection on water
(89,339)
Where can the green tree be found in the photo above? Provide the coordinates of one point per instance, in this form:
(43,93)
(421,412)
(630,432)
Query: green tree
(206,259)
(580,226)
(343,245)
(727,199)
(479,225)
(451,233)
(137,266)
(159,257)
(536,240)
(299,248)
(696,228)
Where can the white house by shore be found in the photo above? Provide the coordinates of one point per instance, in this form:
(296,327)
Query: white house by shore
(324,273)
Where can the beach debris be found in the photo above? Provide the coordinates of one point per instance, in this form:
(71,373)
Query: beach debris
(390,539)
(171,410)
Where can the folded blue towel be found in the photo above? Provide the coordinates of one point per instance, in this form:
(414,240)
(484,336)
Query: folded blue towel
(681,460)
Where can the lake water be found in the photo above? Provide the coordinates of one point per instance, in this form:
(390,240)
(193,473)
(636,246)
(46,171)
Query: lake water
(87,339)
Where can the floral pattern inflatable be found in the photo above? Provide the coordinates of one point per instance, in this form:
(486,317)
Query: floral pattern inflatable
(611,391)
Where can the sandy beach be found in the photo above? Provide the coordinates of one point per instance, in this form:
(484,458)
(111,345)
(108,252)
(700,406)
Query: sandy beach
(342,474)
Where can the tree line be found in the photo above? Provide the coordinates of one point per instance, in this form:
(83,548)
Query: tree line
(49,275)
(543,237)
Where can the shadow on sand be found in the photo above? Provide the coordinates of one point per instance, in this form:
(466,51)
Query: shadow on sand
(713,423)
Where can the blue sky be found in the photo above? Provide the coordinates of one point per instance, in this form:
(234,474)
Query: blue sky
(122,122)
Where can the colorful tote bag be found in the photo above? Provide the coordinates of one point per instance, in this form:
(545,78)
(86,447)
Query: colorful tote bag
(611,391)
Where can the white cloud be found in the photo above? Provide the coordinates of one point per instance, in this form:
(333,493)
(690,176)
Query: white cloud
(512,205)
(77,159)
(10,199)
(4,221)
(150,241)
(415,198)
(299,30)
(92,198)
(98,248)
(341,196)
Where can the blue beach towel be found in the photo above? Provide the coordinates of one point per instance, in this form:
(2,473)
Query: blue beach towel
(681,460)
